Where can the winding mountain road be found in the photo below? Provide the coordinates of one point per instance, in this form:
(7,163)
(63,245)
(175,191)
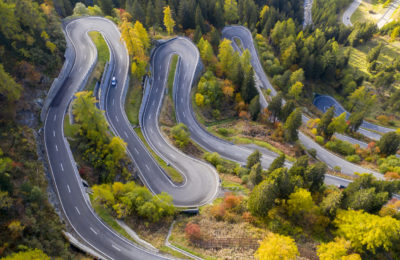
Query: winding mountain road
(201,180)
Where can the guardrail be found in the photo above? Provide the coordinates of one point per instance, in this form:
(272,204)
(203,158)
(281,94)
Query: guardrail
(62,76)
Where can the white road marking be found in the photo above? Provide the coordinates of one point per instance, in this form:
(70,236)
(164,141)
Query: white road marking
(148,168)
(184,114)
(56,148)
(181,100)
(77,210)
(54,133)
(136,150)
(119,71)
(151,130)
(125,134)
(55,117)
(173,156)
(113,101)
(80,68)
(152,104)
(94,231)
(149,116)
(116,118)
(62,168)
(69,190)
(117,248)
(156,90)
(84,57)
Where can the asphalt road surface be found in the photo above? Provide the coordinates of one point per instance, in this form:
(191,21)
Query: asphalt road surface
(349,12)
(75,203)
(386,17)
(332,160)
(307,13)
(324,102)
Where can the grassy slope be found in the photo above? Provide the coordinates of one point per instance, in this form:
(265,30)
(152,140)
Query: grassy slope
(103,55)
(368,11)
(134,99)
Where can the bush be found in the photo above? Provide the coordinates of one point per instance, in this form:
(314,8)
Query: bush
(353,158)
(319,139)
(389,164)
(181,135)
(312,152)
(193,232)
(213,158)
(341,147)
(223,131)
(337,169)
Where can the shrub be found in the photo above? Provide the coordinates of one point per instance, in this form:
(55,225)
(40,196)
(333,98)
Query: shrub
(389,164)
(353,158)
(223,131)
(193,232)
(312,152)
(337,169)
(213,158)
(341,147)
(181,135)
(319,139)
(392,176)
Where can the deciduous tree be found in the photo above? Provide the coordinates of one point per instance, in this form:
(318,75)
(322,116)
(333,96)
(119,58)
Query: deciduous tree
(169,22)
(277,247)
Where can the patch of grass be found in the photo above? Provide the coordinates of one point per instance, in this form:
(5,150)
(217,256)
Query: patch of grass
(171,74)
(133,101)
(103,55)
(368,11)
(172,172)
(172,252)
(233,186)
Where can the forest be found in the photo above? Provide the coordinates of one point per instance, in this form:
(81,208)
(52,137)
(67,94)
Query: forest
(292,207)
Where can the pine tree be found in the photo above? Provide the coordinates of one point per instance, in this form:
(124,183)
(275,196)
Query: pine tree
(199,20)
(326,119)
(287,109)
(137,12)
(231,11)
(150,15)
(248,89)
(275,106)
(168,21)
(225,55)
(292,125)
(106,6)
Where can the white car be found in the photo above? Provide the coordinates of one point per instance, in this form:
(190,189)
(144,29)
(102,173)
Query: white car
(113,82)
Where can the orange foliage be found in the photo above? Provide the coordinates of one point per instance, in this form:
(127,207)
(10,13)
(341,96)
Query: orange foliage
(193,232)
(392,176)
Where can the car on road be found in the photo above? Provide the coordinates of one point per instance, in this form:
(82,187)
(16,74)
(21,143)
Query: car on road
(113,82)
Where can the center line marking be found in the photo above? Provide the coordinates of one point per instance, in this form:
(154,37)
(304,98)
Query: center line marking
(113,101)
(56,148)
(62,168)
(69,190)
(116,118)
(77,210)
(149,116)
(156,90)
(184,114)
(136,150)
(148,168)
(117,248)
(125,134)
(55,117)
(54,133)
(93,231)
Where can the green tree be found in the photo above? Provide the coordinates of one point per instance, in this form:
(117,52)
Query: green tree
(253,159)
(248,88)
(299,203)
(355,120)
(275,106)
(106,6)
(8,87)
(231,11)
(225,55)
(323,125)
(277,247)
(254,107)
(389,143)
(361,100)
(199,19)
(169,22)
(338,124)
(292,125)
(279,162)
(255,175)
(181,135)
(286,110)
(373,54)
(315,176)
(295,90)
(262,198)
(331,203)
